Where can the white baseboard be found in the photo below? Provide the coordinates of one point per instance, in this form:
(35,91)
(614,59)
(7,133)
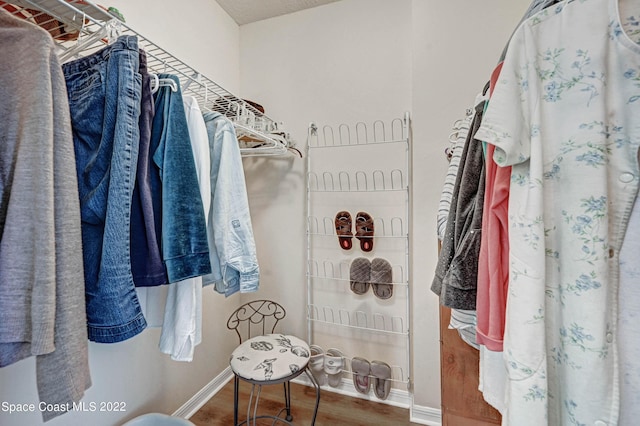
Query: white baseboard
(397,397)
(425,415)
(190,407)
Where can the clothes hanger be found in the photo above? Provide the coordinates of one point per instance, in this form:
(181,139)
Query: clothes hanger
(107,33)
(157,82)
(485,89)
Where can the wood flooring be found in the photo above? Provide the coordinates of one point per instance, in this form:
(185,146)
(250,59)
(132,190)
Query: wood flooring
(335,409)
(462,402)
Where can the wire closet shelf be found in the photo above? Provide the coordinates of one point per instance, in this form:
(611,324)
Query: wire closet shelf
(81,27)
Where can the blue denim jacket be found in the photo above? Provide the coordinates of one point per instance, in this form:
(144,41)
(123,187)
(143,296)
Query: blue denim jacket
(232,249)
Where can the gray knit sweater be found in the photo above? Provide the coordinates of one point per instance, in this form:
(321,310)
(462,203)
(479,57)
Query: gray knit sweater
(456,277)
(42,308)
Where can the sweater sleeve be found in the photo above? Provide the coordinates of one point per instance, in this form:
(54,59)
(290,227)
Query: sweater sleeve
(27,251)
(42,298)
(63,375)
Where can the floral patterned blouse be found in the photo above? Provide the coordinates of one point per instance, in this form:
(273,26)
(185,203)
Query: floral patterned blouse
(564,115)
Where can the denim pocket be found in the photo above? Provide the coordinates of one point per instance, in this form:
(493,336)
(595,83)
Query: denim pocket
(81,85)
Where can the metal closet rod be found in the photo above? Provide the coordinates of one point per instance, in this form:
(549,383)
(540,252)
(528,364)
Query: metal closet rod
(95,27)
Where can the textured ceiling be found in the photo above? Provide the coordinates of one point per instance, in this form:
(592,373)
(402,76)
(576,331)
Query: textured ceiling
(247,11)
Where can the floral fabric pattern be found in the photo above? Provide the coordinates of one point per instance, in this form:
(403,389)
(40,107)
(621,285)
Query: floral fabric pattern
(562,116)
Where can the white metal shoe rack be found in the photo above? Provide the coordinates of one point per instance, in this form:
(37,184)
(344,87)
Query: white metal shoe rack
(365,167)
(94,27)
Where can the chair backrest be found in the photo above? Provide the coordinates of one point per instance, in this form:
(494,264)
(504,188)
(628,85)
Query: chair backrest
(255,318)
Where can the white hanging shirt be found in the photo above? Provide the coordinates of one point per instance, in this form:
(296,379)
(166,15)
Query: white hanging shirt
(565,114)
(182,327)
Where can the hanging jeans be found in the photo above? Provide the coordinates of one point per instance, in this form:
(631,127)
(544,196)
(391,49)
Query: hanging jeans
(104,98)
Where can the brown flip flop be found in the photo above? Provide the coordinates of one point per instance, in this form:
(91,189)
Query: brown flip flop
(364,231)
(343,229)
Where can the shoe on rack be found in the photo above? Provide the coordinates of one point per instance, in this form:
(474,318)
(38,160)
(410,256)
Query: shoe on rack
(364,231)
(343,229)
(360,275)
(381,278)
(361,369)
(316,364)
(333,365)
(381,372)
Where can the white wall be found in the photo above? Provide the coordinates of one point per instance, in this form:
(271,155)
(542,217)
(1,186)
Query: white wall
(134,371)
(363,60)
(343,62)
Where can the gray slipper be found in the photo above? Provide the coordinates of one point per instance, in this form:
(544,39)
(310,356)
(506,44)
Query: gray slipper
(361,369)
(381,372)
(360,275)
(381,278)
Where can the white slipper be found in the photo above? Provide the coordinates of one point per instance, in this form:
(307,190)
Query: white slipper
(316,364)
(333,364)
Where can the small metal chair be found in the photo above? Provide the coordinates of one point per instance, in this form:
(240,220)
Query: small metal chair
(266,358)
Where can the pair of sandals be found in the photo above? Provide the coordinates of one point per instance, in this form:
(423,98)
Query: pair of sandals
(366,374)
(363,228)
(376,273)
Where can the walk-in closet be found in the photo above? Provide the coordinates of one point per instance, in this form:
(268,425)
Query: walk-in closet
(421,210)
